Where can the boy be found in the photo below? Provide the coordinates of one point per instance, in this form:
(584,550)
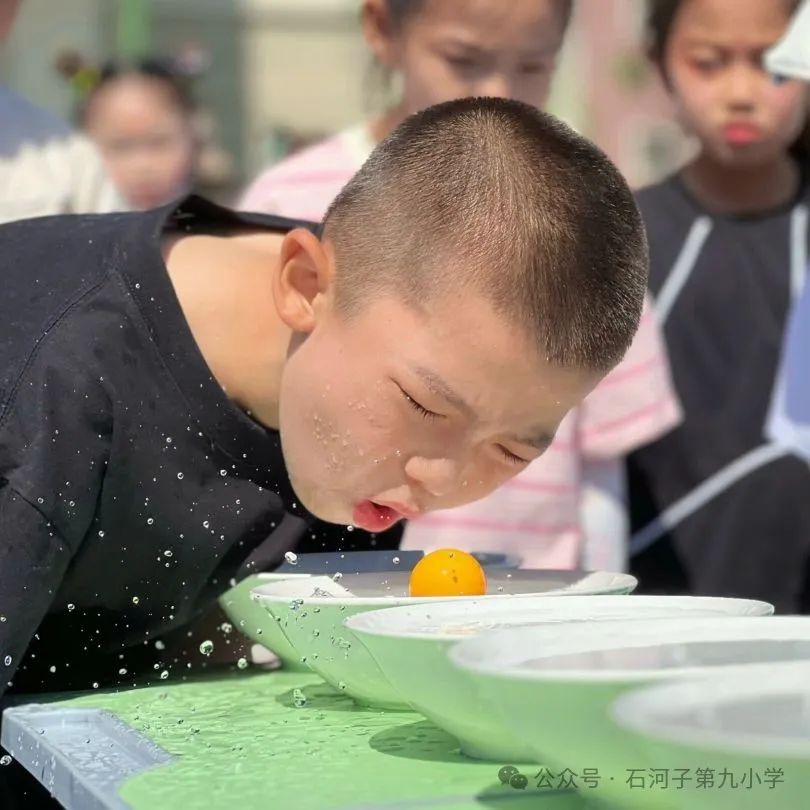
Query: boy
(161,374)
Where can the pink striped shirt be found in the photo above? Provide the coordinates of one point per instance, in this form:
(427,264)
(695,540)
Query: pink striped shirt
(536,514)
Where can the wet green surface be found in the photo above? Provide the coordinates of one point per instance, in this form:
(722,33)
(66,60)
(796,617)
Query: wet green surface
(245,742)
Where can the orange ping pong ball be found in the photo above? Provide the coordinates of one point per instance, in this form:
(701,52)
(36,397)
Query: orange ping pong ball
(448,572)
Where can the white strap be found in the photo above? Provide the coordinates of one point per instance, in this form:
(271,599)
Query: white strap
(682,268)
(705,492)
(798,250)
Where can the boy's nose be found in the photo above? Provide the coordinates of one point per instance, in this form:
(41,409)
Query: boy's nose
(438,476)
(495,85)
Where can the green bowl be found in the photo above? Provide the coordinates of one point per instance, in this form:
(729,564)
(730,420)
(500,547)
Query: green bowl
(553,686)
(740,743)
(410,646)
(251,619)
(314,625)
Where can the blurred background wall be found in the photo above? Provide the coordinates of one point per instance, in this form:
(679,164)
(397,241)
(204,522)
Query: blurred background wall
(281,73)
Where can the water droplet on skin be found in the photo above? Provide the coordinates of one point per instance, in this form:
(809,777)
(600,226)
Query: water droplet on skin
(164,675)
(242,663)
(207,647)
(71,606)
(291,558)
(5,760)
(150,521)
(168,553)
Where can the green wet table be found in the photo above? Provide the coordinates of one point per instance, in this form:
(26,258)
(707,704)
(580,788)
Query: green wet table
(249,741)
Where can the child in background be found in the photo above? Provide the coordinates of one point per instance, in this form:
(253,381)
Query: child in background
(45,167)
(446,49)
(718,509)
(141,118)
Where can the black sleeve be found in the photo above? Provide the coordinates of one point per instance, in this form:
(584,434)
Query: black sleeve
(33,561)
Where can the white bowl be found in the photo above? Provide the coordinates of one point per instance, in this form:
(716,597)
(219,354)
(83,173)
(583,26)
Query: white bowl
(747,725)
(251,619)
(410,645)
(552,686)
(314,625)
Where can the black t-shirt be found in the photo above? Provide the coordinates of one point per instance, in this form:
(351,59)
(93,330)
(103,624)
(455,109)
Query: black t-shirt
(723,331)
(132,491)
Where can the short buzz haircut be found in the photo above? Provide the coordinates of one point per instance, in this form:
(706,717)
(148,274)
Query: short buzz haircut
(496,197)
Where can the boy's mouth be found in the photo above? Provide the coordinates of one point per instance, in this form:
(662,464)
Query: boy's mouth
(377,517)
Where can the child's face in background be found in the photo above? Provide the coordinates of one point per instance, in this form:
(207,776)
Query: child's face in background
(713,65)
(452,49)
(145,139)
(416,410)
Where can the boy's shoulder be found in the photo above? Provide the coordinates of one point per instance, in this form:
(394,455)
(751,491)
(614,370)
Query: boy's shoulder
(24,120)
(50,266)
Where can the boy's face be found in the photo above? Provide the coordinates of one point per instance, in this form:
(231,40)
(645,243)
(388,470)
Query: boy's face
(458,48)
(399,411)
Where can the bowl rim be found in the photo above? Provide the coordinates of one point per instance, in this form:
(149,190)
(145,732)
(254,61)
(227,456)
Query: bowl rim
(476,655)
(371,623)
(617,583)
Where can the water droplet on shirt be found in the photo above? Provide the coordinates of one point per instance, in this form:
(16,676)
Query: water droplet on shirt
(296,603)
(395,561)
(207,647)
(71,606)
(242,663)
(337,576)
(164,675)
(223,473)
(150,521)
(341,685)
(159,645)
(169,440)
(299,698)
(40,500)
(52,669)
(71,503)
(101,533)
(168,553)
(5,760)
(95,684)
(226,627)
(350,528)
(206,524)
(3,619)
(135,600)
(290,557)
(180,476)
(122,671)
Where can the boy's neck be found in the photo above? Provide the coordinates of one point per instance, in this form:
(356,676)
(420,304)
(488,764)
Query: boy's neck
(225,290)
(748,190)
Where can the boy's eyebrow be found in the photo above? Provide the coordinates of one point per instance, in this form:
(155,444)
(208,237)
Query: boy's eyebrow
(438,386)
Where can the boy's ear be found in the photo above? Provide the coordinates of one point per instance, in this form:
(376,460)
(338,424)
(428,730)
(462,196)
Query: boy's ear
(304,274)
(378,29)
